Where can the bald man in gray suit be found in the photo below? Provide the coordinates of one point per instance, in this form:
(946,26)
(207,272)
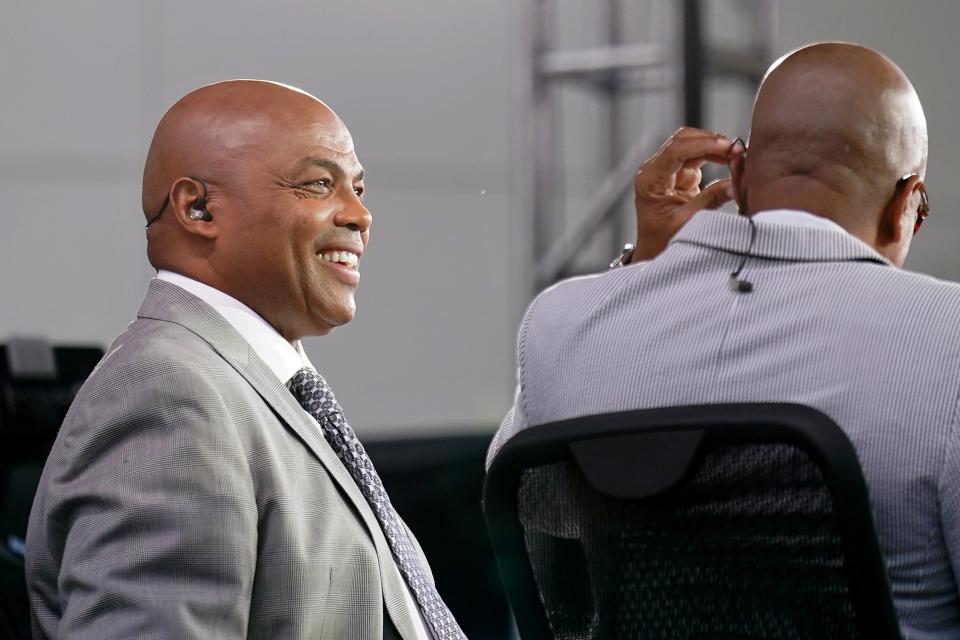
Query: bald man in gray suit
(818,311)
(205,483)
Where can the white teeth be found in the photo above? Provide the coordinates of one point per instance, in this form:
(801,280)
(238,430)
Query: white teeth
(344,257)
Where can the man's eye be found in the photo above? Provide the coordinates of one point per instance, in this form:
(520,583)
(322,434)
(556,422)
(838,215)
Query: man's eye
(321,186)
(358,191)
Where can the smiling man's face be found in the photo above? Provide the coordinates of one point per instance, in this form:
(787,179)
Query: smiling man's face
(298,225)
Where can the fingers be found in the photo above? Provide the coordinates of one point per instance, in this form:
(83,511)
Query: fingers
(714,195)
(685,146)
(667,187)
(690,176)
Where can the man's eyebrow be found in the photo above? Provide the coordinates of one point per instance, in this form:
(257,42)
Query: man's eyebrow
(333,167)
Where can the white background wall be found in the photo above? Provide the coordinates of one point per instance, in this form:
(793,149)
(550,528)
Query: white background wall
(425,87)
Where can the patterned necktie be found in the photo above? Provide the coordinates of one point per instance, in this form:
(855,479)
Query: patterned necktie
(316,397)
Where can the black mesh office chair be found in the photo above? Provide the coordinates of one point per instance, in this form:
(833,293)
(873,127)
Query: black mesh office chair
(703,522)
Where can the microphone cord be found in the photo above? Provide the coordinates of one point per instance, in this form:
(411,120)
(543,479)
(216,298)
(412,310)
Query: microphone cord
(736,283)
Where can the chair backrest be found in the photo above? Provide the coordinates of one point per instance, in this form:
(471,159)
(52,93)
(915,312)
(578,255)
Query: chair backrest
(741,521)
(38,381)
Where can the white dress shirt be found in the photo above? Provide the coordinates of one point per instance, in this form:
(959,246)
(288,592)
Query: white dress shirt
(283,358)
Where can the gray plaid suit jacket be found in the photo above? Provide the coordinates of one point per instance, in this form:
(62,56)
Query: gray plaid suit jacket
(830,324)
(189,496)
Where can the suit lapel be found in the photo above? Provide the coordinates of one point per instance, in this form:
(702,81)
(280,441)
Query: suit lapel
(263,380)
(168,302)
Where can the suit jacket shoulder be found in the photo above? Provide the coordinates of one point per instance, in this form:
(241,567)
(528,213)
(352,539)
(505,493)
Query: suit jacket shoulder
(187,495)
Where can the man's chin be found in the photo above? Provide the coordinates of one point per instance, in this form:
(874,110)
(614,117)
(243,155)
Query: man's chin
(331,318)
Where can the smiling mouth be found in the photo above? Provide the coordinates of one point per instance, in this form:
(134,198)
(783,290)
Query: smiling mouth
(345,258)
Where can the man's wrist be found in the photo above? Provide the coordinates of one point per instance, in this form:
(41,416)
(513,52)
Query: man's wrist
(648,248)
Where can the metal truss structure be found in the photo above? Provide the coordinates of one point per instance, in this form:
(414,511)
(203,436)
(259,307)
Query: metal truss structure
(674,65)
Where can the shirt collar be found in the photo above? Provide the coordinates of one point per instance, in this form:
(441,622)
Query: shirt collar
(734,234)
(798,218)
(283,358)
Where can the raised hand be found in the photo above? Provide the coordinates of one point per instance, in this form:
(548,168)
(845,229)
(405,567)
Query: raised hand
(667,187)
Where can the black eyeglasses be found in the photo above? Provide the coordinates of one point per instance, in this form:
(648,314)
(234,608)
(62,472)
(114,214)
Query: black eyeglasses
(923,211)
(199,204)
(737,141)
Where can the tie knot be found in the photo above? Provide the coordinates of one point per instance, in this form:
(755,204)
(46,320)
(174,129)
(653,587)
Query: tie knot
(311,390)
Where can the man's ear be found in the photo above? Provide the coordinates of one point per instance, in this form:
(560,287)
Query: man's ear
(900,214)
(187,197)
(737,163)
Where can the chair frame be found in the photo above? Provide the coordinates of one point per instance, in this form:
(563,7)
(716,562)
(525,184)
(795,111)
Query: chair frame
(747,423)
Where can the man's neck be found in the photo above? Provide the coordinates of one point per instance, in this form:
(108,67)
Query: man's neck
(266,341)
(816,198)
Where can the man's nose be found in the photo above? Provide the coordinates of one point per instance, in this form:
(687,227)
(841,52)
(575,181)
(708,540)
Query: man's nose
(354,215)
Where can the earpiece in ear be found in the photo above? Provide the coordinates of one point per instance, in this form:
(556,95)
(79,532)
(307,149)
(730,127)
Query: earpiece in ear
(199,210)
(200,215)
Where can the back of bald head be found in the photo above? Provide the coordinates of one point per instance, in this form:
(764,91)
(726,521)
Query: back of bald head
(840,114)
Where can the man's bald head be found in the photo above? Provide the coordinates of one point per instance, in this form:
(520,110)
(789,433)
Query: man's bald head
(276,172)
(835,126)
(838,104)
(208,130)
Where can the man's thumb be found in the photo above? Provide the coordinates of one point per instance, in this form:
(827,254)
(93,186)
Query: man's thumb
(714,195)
